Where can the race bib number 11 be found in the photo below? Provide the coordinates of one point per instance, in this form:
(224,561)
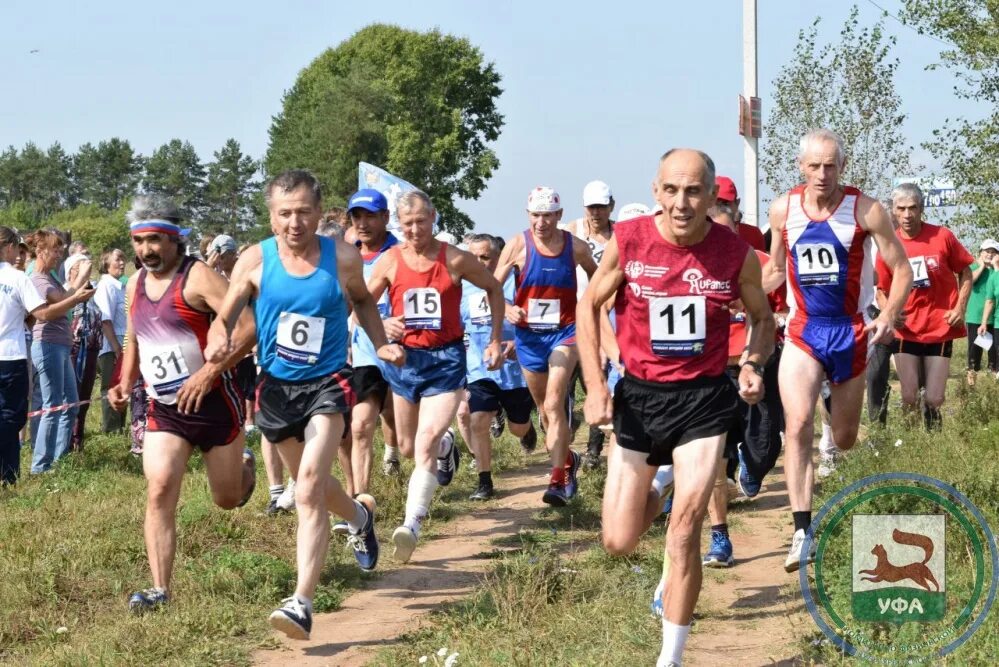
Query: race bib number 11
(300,338)
(677,325)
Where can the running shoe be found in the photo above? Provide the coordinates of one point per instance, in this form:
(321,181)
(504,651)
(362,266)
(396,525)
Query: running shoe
(391,468)
(484,492)
(447,465)
(657,599)
(249,458)
(793,561)
(594,445)
(150,599)
(339,528)
(404,541)
(571,483)
(293,619)
(286,501)
(364,541)
(748,485)
(720,553)
(827,465)
(530,441)
(498,424)
(556,495)
(272,508)
(668,502)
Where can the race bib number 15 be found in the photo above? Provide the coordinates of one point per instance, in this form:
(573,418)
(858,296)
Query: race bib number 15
(422,308)
(677,325)
(300,338)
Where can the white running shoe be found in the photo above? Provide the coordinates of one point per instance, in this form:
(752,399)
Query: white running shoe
(286,500)
(404,540)
(794,553)
(827,466)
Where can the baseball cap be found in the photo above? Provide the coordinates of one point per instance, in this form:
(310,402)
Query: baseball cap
(990,244)
(224,243)
(629,211)
(369,199)
(543,200)
(726,189)
(597,193)
(446,237)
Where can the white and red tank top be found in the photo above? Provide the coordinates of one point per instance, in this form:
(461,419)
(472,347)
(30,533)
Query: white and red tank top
(829,268)
(428,301)
(672,312)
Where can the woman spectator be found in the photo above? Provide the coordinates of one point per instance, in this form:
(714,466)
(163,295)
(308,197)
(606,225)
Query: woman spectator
(50,348)
(87,338)
(110,302)
(19,300)
(981,276)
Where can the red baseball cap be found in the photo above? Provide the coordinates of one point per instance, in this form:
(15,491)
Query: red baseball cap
(726,189)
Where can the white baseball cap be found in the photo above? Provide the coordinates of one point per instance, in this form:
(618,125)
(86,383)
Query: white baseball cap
(446,237)
(629,211)
(597,193)
(990,244)
(543,200)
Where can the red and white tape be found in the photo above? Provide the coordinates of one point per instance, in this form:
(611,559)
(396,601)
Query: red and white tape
(60,408)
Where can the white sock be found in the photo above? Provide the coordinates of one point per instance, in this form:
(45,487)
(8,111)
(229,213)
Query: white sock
(663,478)
(305,602)
(391,454)
(276,490)
(422,484)
(360,517)
(826,445)
(674,639)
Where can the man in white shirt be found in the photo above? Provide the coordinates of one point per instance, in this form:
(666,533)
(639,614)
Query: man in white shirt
(110,301)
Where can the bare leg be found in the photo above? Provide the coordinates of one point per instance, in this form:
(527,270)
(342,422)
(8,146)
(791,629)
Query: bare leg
(800,378)
(362,428)
(549,391)
(272,462)
(483,446)
(463,419)
(718,505)
(164,461)
(627,500)
(228,476)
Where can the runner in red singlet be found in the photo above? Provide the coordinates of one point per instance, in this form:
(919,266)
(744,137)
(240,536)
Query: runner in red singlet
(674,277)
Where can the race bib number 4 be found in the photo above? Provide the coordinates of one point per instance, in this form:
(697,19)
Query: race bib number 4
(817,264)
(422,308)
(164,369)
(677,325)
(478,310)
(300,338)
(920,272)
(543,314)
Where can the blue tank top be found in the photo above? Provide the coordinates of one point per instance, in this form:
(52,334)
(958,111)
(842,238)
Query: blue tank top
(301,320)
(546,288)
(362,350)
(478,330)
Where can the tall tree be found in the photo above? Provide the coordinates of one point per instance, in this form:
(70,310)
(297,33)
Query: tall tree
(230,188)
(422,105)
(969,149)
(847,86)
(174,169)
(38,179)
(108,173)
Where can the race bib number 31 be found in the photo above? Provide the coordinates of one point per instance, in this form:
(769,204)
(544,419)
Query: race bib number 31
(422,308)
(165,369)
(300,338)
(543,314)
(920,272)
(817,264)
(677,325)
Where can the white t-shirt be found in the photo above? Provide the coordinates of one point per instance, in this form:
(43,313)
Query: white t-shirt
(109,297)
(582,232)
(18,297)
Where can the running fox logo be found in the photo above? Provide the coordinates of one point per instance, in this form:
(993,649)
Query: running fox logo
(901,579)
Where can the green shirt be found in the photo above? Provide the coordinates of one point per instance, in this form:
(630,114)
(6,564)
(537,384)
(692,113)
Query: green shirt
(979,292)
(992,294)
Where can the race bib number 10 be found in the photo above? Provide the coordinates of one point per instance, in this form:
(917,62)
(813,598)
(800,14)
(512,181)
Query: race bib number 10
(920,272)
(300,338)
(677,325)
(422,308)
(543,314)
(817,264)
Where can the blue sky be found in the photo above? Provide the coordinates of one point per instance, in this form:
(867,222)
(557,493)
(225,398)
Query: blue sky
(591,90)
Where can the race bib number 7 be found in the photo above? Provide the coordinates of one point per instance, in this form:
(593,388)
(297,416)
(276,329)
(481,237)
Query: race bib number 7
(300,338)
(164,369)
(543,314)
(677,325)
(817,264)
(422,308)
(920,272)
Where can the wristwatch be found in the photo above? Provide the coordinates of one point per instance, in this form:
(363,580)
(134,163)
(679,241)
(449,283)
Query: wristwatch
(757,368)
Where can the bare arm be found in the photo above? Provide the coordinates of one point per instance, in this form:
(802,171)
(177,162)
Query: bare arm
(873,217)
(963,294)
(762,327)
(977,273)
(57,307)
(583,256)
(514,255)
(209,290)
(603,285)
(244,285)
(110,337)
(775,272)
(473,271)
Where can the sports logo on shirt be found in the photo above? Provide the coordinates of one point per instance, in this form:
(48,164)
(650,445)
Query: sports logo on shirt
(635,269)
(700,285)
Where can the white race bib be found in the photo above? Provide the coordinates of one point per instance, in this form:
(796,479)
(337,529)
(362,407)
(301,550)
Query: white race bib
(478,309)
(543,314)
(422,308)
(677,325)
(920,272)
(164,368)
(300,338)
(818,264)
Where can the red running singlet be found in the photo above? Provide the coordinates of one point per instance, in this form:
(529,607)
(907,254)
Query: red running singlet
(429,303)
(672,312)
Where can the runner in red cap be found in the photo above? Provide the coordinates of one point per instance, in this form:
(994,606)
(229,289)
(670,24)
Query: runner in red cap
(729,196)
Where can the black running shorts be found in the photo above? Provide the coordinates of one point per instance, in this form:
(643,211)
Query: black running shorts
(217,423)
(369,381)
(944,349)
(654,418)
(486,396)
(285,408)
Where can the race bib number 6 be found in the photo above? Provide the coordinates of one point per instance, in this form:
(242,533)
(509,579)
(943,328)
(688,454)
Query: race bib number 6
(920,272)
(300,338)
(677,325)
(422,308)
(817,264)
(543,314)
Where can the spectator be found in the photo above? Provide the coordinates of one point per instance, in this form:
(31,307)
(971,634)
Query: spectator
(204,246)
(981,274)
(110,301)
(50,349)
(87,338)
(222,255)
(334,224)
(75,248)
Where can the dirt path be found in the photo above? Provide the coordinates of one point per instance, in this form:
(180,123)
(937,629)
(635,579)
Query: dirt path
(749,615)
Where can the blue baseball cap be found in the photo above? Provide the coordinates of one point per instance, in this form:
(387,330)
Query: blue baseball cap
(368,199)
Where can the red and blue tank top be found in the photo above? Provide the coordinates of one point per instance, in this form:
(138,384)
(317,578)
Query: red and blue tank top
(546,287)
(429,302)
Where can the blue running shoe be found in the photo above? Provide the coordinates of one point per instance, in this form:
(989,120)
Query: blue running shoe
(293,619)
(249,458)
(749,486)
(447,465)
(571,483)
(364,541)
(556,495)
(720,553)
(668,503)
(657,599)
(147,600)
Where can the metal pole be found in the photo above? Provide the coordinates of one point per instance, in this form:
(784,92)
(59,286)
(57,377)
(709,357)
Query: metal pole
(751,168)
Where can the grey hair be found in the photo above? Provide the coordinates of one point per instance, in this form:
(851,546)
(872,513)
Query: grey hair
(822,134)
(153,206)
(291,180)
(907,190)
(76,246)
(709,164)
(721,209)
(493,241)
(407,200)
(330,229)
